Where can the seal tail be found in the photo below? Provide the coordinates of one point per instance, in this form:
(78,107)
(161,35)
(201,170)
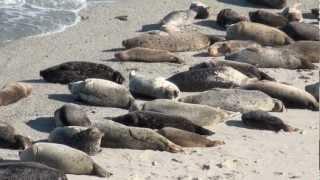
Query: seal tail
(99,171)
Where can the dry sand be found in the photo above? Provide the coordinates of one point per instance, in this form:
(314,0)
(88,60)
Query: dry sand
(248,154)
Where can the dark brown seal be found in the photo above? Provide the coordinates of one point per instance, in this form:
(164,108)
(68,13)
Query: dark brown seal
(228,16)
(9,139)
(268,18)
(302,31)
(276,4)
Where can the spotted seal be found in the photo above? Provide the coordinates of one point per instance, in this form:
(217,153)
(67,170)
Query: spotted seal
(71,115)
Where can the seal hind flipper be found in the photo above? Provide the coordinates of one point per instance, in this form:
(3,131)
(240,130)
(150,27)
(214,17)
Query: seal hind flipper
(99,171)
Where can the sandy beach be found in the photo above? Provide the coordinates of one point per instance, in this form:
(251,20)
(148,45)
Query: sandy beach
(247,155)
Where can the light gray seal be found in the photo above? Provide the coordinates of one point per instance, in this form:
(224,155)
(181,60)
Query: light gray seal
(13,92)
(200,115)
(237,100)
(188,139)
(71,115)
(260,33)
(313,89)
(84,139)
(63,158)
(101,92)
(157,87)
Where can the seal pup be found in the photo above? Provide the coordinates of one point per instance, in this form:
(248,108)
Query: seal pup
(187,139)
(117,135)
(201,8)
(84,139)
(63,158)
(71,115)
(228,17)
(291,96)
(157,87)
(276,4)
(313,89)
(293,13)
(14,91)
(302,31)
(148,55)
(228,47)
(200,115)
(260,33)
(175,42)
(269,57)
(76,71)
(10,140)
(268,18)
(19,170)
(264,120)
(102,92)
(236,100)
(203,79)
(306,50)
(156,120)
(249,70)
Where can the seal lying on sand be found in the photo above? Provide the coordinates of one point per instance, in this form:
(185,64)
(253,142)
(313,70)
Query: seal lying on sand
(148,55)
(228,47)
(13,92)
(71,115)
(249,70)
(236,100)
(85,139)
(227,17)
(176,42)
(269,57)
(120,136)
(293,13)
(260,33)
(268,18)
(155,88)
(9,139)
(277,4)
(64,158)
(291,96)
(302,31)
(103,93)
(313,89)
(200,115)
(201,8)
(264,120)
(76,71)
(203,79)
(156,120)
(172,21)
(187,139)
(306,50)
(19,170)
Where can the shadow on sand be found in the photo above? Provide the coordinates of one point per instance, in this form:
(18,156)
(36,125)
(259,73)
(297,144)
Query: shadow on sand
(238,124)
(35,81)
(150,27)
(42,124)
(211,24)
(66,98)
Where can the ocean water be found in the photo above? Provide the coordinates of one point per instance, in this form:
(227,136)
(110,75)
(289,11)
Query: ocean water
(24,18)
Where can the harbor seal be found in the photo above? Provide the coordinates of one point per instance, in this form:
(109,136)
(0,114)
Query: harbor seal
(12,92)
(313,89)
(228,47)
(19,170)
(236,100)
(276,4)
(77,71)
(203,79)
(148,55)
(249,70)
(315,12)
(176,19)
(84,139)
(71,115)
(264,120)
(120,136)
(228,17)
(63,158)
(270,57)
(260,33)
(302,31)
(187,139)
(101,92)
(201,8)
(291,96)
(9,139)
(306,50)
(152,87)
(200,115)
(156,120)
(175,42)
(293,13)
(268,18)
